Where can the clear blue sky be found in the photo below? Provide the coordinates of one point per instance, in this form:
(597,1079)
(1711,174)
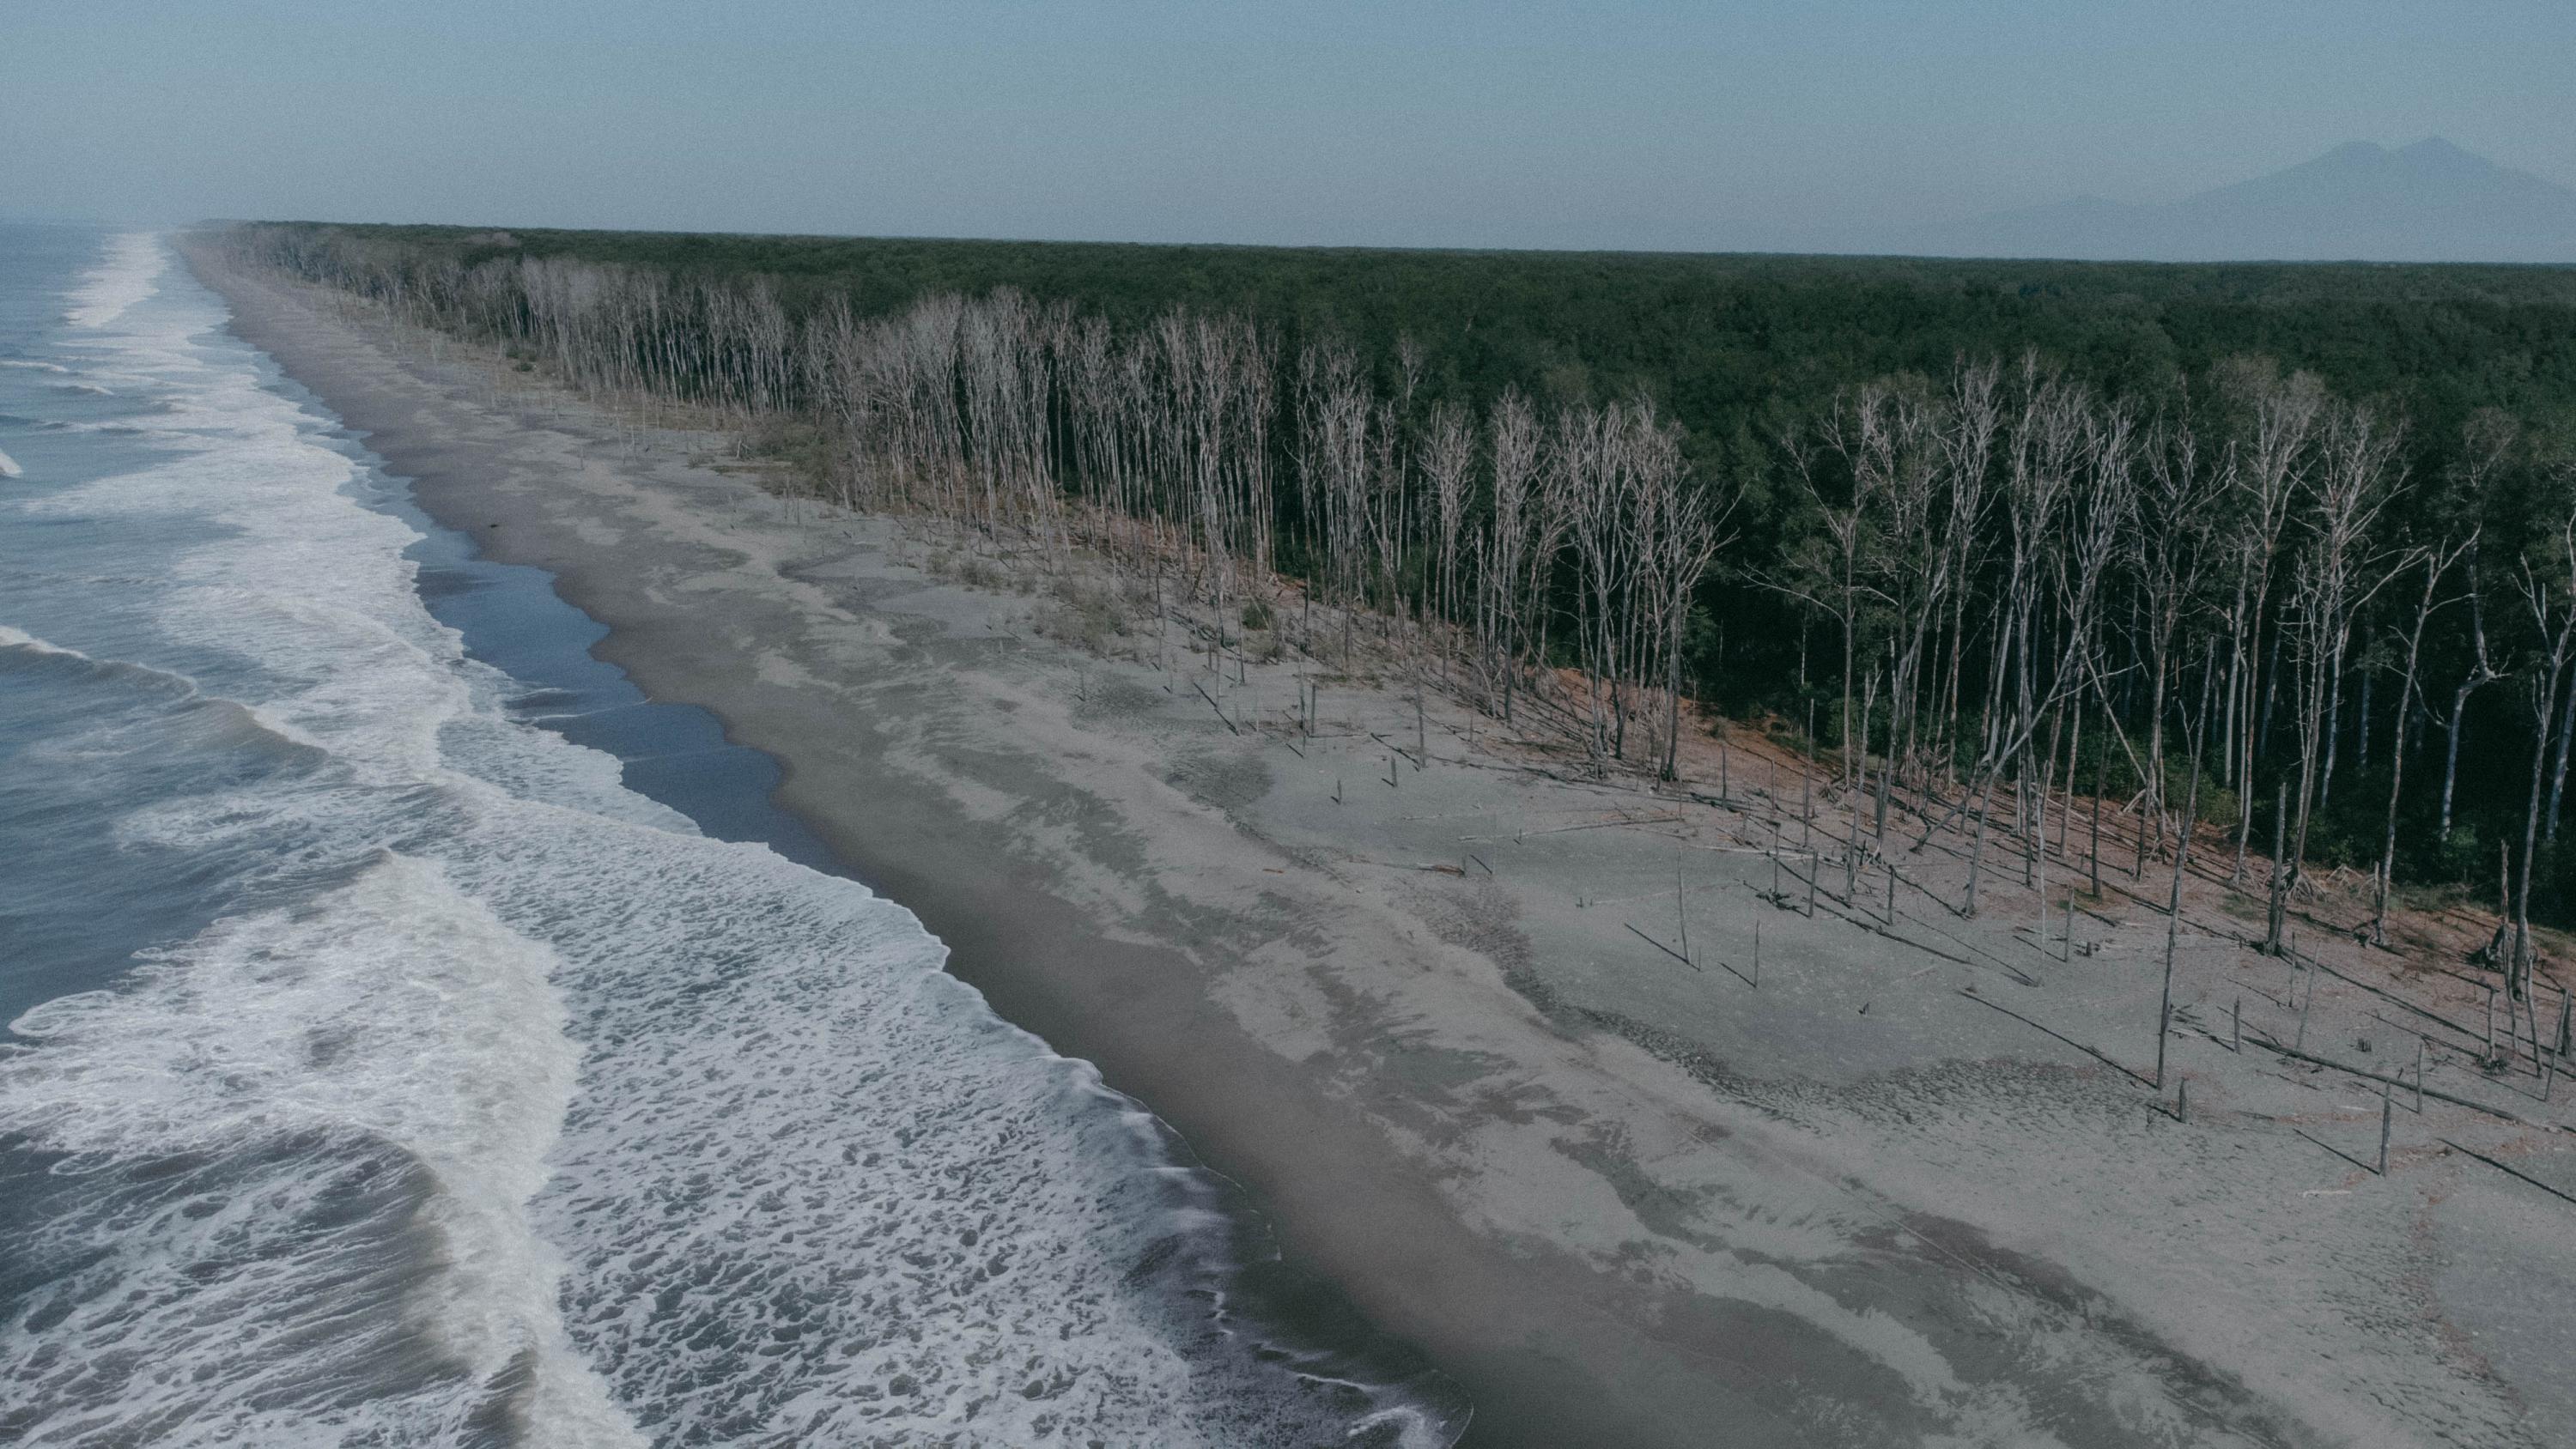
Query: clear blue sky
(1499,124)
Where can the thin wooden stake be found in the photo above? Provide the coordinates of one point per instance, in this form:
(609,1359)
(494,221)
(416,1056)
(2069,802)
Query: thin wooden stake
(1681,912)
(2164,1021)
(2173,910)
(2531,1024)
(2385,1109)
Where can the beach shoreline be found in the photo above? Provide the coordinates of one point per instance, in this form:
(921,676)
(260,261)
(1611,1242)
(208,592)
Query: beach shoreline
(1612,1200)
(991,921)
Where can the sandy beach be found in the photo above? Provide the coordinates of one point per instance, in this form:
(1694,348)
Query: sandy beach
(1614,1100)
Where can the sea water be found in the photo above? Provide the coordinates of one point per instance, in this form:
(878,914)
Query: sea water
(385,1067)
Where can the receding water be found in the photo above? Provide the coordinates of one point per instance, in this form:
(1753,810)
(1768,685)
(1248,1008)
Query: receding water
(415,1037)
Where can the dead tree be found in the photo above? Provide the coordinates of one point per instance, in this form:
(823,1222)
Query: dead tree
(2182,484)
(1826,574)
(2336,572)
(2548,587)
(2276,422)
(1448,459)
(1512,447)
(1971,430)
(2488,439)
(2437,561)
(1687,534)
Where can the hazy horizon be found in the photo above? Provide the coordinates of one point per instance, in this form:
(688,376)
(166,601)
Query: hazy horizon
(1640,126)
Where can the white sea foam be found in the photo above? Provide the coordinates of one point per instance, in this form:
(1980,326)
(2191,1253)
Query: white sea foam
(20,639)
(32,365)
(393,1013)
(65,425)
(9,467)
(127,275)
(708,1140)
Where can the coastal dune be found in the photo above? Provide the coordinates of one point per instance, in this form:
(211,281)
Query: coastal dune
(1575,1084)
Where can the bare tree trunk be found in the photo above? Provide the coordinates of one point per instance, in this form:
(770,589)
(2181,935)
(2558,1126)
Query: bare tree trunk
(2436,561)
(2173,909)
(2558,774)
(2276,917)
(1977,851)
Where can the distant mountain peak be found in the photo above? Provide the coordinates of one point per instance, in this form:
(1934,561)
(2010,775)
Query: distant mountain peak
(2435,154)
(2361,201)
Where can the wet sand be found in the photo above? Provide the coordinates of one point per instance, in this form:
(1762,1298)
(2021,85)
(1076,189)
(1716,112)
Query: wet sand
(1908,1190)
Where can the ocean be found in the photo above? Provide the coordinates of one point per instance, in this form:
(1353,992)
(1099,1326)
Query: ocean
(415,1036)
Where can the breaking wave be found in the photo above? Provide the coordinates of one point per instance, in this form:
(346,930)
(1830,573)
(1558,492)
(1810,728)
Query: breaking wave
(500,1106)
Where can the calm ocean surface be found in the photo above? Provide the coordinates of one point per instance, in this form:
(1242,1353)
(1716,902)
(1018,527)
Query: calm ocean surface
(416,1038)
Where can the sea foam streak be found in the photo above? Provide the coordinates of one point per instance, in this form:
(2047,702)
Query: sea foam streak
(134,262)
(633,1132)
(9,467)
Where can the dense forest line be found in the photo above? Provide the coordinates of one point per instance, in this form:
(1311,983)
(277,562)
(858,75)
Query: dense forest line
(2020,528)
